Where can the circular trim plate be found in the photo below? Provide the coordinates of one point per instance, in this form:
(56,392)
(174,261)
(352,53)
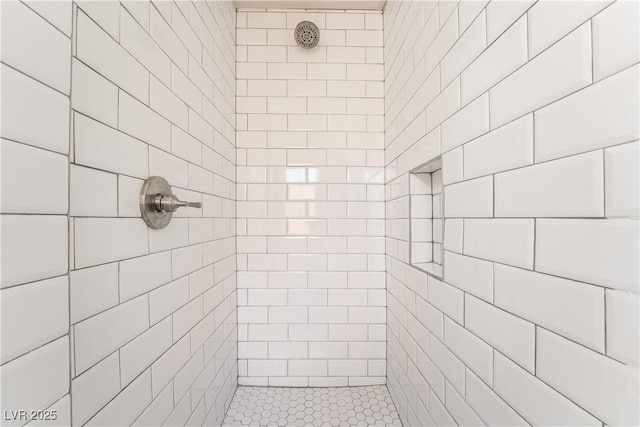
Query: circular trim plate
(307,34)
(153,186)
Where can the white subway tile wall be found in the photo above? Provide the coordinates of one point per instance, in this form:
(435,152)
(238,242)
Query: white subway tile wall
(153,311)
(104,320)
(34,145)
(535,114)
(310,200)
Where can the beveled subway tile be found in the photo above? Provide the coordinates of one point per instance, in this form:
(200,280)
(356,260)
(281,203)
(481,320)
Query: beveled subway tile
(25,167)
(45,61)
(24,97)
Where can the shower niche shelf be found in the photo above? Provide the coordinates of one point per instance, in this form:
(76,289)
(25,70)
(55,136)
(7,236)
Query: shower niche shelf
(426,228)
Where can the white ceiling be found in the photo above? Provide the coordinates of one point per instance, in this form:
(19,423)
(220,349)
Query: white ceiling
(311,4)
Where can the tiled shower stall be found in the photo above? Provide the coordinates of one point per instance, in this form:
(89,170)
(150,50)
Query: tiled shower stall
(430,218)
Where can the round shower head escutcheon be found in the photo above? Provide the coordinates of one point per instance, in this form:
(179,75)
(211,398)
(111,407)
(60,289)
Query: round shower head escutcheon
(307,34)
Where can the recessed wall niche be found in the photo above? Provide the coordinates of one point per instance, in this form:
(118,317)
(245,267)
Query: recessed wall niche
(426,229)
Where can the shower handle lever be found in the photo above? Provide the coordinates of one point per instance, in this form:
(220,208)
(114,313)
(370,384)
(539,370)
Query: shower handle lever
(158,203)
(170,203)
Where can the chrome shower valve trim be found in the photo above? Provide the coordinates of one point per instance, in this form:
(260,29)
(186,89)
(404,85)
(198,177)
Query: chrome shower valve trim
(158,203)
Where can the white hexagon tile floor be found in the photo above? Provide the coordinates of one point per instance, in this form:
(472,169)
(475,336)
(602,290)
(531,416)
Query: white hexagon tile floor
(335,406)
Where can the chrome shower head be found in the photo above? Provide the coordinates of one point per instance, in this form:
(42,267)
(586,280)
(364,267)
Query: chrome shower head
(307,34)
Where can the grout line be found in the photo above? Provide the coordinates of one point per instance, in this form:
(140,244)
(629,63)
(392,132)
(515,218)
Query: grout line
(606,347)
(535,349)
(70,220)
(33,78)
